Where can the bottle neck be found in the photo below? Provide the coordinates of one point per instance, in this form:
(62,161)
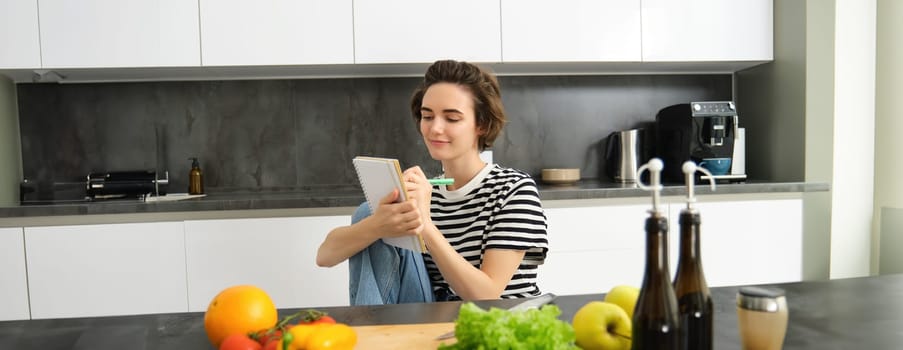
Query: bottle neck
(689,237)
(657,247)
(690,276)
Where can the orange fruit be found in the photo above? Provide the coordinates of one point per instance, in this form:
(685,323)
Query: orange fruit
(238,309)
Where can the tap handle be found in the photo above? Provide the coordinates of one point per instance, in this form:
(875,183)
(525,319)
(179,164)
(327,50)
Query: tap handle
(690,168)
(655,167)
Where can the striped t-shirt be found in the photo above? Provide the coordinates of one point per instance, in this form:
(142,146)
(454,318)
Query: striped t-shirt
(498,209)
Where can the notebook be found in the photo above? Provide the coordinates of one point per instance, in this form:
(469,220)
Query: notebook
(378,177)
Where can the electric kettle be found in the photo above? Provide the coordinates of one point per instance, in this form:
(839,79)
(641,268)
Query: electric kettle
(622,155)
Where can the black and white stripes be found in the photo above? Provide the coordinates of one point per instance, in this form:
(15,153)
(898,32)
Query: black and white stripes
(498,209)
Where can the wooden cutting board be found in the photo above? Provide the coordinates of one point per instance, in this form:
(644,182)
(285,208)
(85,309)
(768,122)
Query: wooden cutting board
(403,336)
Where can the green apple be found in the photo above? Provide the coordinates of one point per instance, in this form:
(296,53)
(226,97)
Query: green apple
(602,325)
(625,297)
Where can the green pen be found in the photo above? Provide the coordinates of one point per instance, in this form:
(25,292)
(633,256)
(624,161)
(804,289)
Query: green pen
(442,181)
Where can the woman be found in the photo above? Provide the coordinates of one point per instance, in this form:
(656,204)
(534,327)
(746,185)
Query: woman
(486,233)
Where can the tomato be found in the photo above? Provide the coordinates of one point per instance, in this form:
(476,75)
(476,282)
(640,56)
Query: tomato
(337,336)
(273,344)
(313,317)
(288,336)
(265,335)
(320,319)
(239,341)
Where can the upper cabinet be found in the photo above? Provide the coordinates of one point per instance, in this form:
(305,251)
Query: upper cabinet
(414,31)
(570,30)
(119,33)
(235,39)
(707,30)
(19,43)
(276,32)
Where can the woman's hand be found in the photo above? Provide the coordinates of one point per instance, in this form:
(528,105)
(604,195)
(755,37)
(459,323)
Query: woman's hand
(419,189)
(396,219)
(389,219)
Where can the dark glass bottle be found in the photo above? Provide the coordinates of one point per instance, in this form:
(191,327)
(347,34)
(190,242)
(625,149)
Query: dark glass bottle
(655,320)
(195,178)
(693,297)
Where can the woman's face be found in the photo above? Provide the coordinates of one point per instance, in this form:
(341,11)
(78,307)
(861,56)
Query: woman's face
(448,122)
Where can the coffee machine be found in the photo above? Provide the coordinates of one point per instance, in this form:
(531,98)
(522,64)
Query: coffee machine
(701,131)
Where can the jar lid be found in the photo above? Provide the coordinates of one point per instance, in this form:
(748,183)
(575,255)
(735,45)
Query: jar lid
(762,292)
(761,299)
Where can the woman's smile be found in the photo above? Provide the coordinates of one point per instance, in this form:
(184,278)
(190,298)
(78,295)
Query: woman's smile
(439,143)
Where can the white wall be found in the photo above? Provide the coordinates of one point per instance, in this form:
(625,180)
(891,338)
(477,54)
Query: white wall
(854,135)
(888,141)
(10,147)
(819,134)
(790,102)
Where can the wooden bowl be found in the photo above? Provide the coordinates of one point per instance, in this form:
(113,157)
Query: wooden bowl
(564,176)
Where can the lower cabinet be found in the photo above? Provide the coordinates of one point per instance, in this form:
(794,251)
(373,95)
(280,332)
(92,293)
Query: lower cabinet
(162,267)
(748,242)
(275,254)
(14,293)
(592,249)
(744,242)
(102,270)
(142,268)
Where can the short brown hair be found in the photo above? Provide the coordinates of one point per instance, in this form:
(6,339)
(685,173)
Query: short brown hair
(487,96)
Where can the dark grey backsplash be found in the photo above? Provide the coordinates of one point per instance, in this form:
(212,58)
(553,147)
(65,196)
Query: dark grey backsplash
(295,134)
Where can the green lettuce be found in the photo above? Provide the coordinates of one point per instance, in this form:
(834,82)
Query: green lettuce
(501,329)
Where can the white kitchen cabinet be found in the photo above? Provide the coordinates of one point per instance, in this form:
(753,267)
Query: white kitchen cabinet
(707,30)
(276,32)
(19,42)
(14,294)
(101,270)
(275,254)
(415,31)
(570,31)
(119,33)
(592,249)
(747,242)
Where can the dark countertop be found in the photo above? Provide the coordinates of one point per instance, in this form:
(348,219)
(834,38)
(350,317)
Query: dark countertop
(596,189)
(351,196)
(856,313)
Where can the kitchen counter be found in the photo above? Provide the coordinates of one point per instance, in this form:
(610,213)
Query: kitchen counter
(855,313)
(351,196)
(597,190)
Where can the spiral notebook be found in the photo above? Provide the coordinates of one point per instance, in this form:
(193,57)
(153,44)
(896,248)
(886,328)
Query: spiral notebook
(378,177)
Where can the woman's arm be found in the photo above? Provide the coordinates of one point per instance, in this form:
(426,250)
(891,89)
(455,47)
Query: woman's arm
(389,220)
(468,282)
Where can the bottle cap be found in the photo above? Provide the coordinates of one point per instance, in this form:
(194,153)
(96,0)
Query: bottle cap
(194,162)
(655,167)
(689,168)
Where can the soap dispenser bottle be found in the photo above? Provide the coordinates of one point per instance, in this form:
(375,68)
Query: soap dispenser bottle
(195,178)
(656,323)
(693,297)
